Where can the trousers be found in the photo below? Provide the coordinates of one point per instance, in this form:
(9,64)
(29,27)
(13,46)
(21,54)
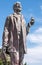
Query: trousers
(16,58)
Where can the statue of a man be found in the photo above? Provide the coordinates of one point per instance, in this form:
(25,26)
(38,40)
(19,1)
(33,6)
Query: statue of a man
(14,36)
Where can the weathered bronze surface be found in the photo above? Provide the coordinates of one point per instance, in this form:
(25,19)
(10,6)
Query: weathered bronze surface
(14,36)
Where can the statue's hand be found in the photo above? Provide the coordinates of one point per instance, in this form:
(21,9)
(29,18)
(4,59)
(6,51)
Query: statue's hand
(32,21)
(29,25)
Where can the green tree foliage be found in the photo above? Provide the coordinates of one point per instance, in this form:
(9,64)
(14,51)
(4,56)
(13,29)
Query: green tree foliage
(25,64)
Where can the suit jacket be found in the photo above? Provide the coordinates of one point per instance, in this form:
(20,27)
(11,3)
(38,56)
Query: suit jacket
(10,37)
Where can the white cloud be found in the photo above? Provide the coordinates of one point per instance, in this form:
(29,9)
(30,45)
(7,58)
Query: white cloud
(36,37)
(34,55)
(39,30)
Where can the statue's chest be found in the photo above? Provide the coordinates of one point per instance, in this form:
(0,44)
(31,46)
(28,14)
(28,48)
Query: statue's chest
(18,24)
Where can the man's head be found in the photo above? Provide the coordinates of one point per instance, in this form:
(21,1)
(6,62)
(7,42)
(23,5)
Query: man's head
(17,7)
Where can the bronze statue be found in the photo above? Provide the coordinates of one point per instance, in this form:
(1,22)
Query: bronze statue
(14,36)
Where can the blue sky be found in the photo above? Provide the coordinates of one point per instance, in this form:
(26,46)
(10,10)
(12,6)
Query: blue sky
(34,38)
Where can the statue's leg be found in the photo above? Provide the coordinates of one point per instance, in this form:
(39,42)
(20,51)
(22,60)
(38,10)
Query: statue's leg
(14,60)
(21,56)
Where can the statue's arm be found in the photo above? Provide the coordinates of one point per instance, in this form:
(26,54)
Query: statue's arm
(27,28)
(29,25)
(5,35)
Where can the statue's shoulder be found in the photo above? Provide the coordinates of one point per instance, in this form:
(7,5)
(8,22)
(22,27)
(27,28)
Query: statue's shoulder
(11,15)
(8,17)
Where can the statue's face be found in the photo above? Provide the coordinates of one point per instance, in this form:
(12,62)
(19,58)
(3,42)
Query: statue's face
(18,10)
(17,7)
